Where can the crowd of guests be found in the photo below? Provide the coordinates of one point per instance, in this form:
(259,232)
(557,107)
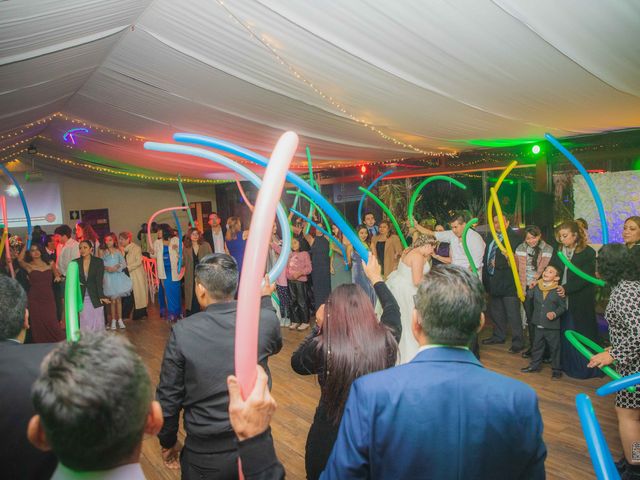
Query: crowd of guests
(392,383)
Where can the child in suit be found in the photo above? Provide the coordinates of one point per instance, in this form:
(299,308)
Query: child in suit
(547,308)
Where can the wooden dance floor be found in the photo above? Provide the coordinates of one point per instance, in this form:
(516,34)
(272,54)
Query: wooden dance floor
(297,398)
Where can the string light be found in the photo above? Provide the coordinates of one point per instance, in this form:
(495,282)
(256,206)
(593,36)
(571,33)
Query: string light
(133,175)
(328,98)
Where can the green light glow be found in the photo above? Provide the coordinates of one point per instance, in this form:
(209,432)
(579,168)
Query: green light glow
(535,149)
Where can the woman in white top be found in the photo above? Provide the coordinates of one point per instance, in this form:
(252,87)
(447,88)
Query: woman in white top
(403,284)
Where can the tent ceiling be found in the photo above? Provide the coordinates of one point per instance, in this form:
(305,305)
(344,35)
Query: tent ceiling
(359,81)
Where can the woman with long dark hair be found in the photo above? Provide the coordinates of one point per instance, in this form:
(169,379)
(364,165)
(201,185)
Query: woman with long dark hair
(387,248)
(532,257)
(619,266)
(91,279)
(580,295)
(42,273)
(84,231)
(347,342)
(194,250)
(357,271)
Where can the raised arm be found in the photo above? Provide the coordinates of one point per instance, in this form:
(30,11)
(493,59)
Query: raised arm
(21,260)
(390,310)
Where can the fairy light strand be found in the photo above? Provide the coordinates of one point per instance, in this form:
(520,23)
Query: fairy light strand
(328,98)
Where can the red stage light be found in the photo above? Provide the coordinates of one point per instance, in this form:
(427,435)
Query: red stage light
(363,169)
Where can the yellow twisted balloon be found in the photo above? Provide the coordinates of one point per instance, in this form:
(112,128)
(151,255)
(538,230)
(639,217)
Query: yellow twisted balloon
(508,250)
(490,206)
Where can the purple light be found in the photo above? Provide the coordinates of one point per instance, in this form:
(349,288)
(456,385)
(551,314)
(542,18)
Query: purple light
(68,136)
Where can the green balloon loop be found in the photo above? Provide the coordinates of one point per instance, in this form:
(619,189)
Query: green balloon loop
(580,273)
(467,252)
(424,183)
(386,210)
(583,344)
(185,202)
(72,302)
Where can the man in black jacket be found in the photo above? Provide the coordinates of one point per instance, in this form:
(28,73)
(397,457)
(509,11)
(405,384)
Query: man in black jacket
(19,368)
(198,358)
(504,305)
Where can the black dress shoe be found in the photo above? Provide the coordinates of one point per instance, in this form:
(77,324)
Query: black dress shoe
(492,341)
(526,354)
(515,350)
(556,374)
(529,370)
(546,360)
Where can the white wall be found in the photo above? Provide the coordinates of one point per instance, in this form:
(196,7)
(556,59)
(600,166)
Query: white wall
(129,204)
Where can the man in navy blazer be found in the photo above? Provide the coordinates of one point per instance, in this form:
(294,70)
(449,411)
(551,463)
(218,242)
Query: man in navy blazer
(442,415)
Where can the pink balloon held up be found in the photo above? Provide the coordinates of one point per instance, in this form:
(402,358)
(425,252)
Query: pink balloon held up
(150,221)
(255,258)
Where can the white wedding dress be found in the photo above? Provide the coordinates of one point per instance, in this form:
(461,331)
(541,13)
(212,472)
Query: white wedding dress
(400,283)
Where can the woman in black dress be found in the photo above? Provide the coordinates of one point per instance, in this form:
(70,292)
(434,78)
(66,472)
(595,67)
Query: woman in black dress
(580,295)
(321,267)
(619,266)
(347,342)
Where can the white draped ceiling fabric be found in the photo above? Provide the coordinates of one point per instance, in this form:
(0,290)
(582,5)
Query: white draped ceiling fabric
(359,81)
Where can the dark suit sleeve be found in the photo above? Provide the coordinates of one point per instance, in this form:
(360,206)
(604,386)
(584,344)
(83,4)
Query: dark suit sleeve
(265,302)
(349,457)
(306,360)
(390,309)
(259,460)
(560,305)
(170,392)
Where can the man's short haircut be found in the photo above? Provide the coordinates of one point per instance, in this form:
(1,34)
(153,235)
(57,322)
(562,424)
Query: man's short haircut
(450,300)
(13,304)
(63,230)
(218,274)
(458,216)
(127,235)
(369,213)
(93,398)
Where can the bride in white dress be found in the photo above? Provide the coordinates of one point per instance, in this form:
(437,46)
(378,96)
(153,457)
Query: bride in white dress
(403,283)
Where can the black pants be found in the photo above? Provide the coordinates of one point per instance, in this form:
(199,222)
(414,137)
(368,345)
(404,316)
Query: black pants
(322,436)
(58,294)
(209,466)
(298,308)
(505,311)
(546,338)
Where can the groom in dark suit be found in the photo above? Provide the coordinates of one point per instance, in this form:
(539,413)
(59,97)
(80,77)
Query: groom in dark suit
(442,415)
(19,368)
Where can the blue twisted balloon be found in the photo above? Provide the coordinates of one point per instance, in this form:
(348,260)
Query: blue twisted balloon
(324,232)
(620,384)
(179,228)
(590,184)
(598,450)
(329,209)
(364,195)
(281,263)
(24,203)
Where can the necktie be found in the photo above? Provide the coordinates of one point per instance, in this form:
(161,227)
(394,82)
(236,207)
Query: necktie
(491,263)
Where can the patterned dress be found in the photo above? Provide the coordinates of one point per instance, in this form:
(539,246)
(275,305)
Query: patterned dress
(623,316)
